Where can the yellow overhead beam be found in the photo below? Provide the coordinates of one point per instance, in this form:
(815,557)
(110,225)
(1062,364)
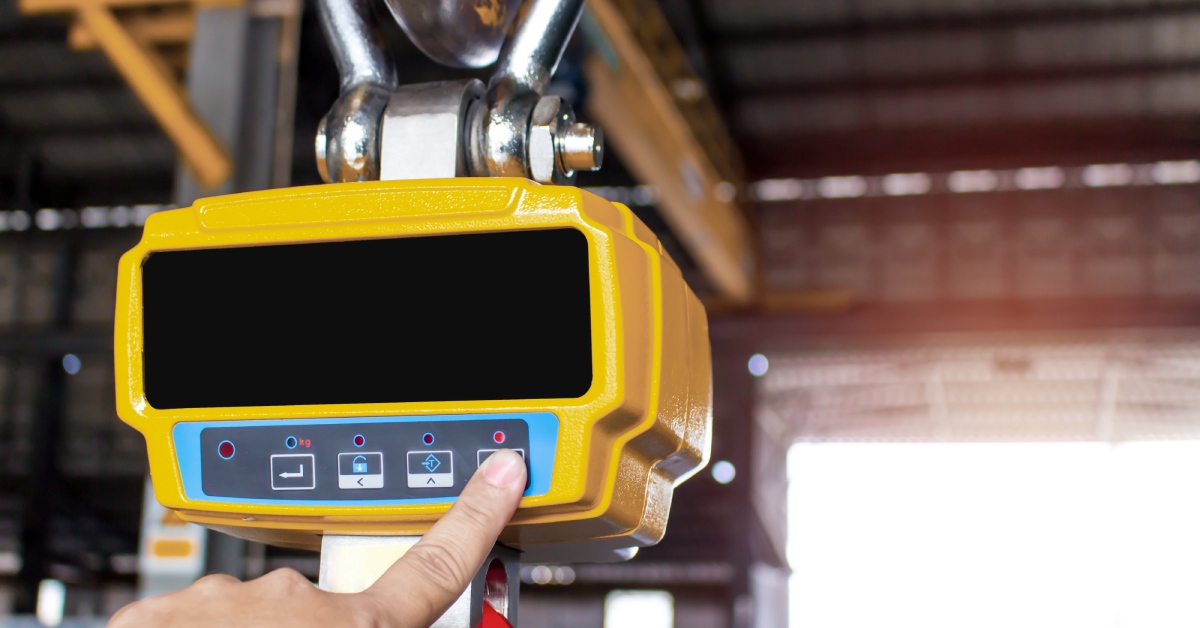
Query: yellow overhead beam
(153,83)
(149,29)
(63,6)
(655,113)
(149,76)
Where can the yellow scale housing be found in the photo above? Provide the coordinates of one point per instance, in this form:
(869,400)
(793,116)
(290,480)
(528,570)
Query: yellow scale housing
(642,427)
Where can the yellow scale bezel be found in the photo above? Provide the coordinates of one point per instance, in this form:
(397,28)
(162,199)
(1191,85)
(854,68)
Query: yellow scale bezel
(644,425)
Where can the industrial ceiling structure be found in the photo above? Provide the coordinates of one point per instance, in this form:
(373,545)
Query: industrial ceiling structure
(855,172)
(1112,387)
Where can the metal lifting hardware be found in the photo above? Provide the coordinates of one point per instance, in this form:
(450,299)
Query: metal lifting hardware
(454,128)
(376,130)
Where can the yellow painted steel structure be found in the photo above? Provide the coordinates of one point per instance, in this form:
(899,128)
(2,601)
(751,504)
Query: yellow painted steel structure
(150,78)
(656,113)
(643,427)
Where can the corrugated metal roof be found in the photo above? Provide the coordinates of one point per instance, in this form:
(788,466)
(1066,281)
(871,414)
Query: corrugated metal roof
(74,107)
(965,53)
(751,15)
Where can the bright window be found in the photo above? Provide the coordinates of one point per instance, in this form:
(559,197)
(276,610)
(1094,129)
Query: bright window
(1034,535)
(643,609)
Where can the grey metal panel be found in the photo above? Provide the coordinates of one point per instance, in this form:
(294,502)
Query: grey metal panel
(95,443)
(215,86)
(1165,94)
(68,155)
(38,267)
(50,62)
(8,285)
(1135,241)
(39,110)
(18,398)
(749,15)
(96,276)
(1074,45)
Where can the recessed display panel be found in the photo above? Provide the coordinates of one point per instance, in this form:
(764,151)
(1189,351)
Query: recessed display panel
(492,316)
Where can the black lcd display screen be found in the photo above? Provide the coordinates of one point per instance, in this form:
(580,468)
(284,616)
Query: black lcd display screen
(491,316)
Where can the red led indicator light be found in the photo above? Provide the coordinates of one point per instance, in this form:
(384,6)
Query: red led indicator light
(498,437)
(225,449)
(427,438)
(359,441)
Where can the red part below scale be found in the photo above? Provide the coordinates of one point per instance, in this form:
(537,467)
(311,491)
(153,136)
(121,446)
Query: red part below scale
(493,619)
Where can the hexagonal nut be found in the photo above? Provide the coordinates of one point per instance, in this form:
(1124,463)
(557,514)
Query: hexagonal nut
(549,117)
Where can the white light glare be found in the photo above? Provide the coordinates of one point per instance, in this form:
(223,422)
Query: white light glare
(779,189)
(1107,175)
(758,365)
(724,472)
(142,212)
(119,216)
(842,187)
(19,221)
(644,195)
(644,609)
(47,219)
(94,217)
(72,363)
(1041,178)
(967,181)
(542,574)
(725,192)
(51,600)
(545,574)
(907,184)
(1059,534)
(1176,172)
(10,563)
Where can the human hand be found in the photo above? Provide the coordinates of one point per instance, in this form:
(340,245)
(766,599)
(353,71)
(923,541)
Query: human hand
(414,592)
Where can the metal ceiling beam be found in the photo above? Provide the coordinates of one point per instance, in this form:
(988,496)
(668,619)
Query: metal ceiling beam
(150,77)
(854,22)
(158,28)
(883,151)
(63,6)
(655,111)
(875,323)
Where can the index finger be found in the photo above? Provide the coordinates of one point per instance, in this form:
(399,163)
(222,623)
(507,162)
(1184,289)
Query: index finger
(419,587)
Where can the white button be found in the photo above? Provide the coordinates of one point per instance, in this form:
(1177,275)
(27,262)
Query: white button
(484,453)
(360,470)
(430,469)
(293,472)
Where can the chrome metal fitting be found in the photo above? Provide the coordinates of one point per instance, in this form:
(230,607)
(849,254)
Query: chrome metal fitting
(549,117)
(511,131)
(348,136)
(558,145)
(581,147)
(425,130)
(456,33)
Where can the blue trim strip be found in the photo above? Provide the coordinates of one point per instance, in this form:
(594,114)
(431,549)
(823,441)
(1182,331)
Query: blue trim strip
(543,446)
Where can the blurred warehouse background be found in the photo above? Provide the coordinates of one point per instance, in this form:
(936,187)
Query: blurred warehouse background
(950,251)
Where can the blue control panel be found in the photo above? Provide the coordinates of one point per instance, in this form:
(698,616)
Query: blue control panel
(357,462)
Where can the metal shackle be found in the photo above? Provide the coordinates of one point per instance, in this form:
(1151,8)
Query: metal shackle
(508,130)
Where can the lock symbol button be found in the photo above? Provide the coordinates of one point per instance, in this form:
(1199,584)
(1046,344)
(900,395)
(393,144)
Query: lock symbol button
(357,470)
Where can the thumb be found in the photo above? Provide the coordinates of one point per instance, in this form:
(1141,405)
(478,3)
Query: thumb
(419,587)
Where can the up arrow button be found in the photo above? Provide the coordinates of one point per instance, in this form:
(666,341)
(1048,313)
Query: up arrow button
(430,469)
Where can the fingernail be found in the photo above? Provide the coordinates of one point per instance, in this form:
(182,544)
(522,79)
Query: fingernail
(503,468)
